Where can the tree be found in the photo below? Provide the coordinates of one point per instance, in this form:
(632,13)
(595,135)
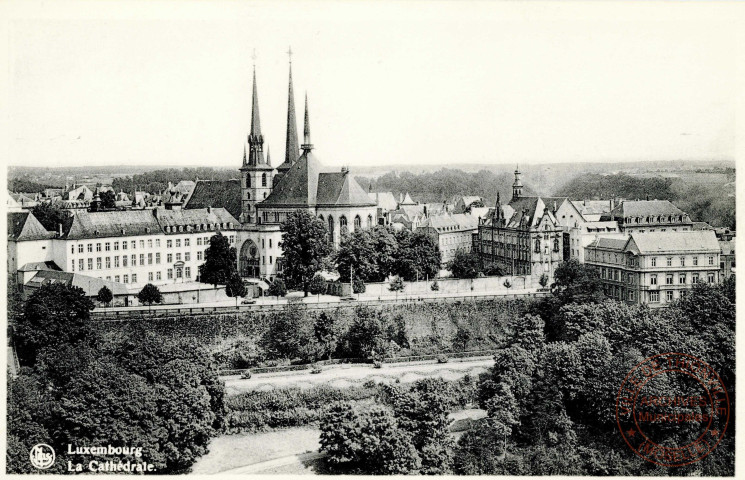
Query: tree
(435,286)
(418,256)
(358,286)
(305,243)
(55,314)
(397,285)
(219,261)
(235,287)
(277,288)
(317,285)
(357,251)
(465,264)
(49,216)
(149,295)
(290,335)
(576,282)
(543,281)
(104,295)
(368,443)
(108,200)
(326,331)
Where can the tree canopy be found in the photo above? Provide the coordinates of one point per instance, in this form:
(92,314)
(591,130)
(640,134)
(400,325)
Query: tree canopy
(305,244)
(150,294)
(220,261)
(49,216)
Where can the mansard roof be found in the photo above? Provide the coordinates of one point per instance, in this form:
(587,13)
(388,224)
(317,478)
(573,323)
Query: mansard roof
(642,208)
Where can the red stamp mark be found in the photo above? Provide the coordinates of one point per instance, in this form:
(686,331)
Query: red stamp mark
(672,409)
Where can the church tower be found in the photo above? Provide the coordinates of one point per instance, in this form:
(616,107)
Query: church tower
(256,173)
(292,150)
(517,186)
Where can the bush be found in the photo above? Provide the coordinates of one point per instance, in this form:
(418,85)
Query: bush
(378,364)
(277,288)
(442,359)
(507,283)
(358,286)
(316,369)
(435,286)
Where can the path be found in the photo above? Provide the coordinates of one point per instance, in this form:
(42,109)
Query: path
(346,375)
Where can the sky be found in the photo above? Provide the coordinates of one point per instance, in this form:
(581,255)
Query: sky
(166,83)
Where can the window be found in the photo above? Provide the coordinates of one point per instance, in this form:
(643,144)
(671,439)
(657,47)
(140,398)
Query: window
(90,247)
(187,242)
(149,243)
(199,255)
(157,258)
(80,265)
(134,278)
(157,242)
(669,295)
(537,245)
(142,245)
(126,278)
(654,297)
(98,263)
(682,261)
(270,259)
(142,259)
(134,260)
(263,179)
(149,258)
(556,245)
(668,279)
(669,261)
(98,247)
(108,262)
(695,260)
(169,258)
(72,249)
(187,272)
(263,245)
(694,278)
(133,244)
(179,273)
(116,261)
(232,240)
(124,260)
(116,246)
(117,278)
(187,256)
(169,243)
(178,256)
(80,248)
(124,245)
(711,260)
(107,246)
(711,277)
(178,242)
(682,278)
(169,274)
(653,279)
(631,295)
(654,261)
(199,241)
(149,276)
(157,275)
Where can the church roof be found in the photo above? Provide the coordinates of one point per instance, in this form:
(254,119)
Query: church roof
(23,226)
(299,186)
(385,200)
(339,188)
(216,193)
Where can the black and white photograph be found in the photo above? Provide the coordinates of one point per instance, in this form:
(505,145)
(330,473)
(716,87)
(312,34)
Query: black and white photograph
(371,238)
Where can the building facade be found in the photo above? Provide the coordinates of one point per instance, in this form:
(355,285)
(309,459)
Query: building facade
(451,232)
(645,216)
(654,268)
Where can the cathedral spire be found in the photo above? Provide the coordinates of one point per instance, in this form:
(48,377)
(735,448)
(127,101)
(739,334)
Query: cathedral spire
(268,157)
(307,146)
(291,144)
(244,154)
(255,139)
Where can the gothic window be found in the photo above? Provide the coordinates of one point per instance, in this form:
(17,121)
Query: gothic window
(264,194)
(248,180)
(556,245)
(263,180)
(248,195)
(331,228)
(537,245)
(369,221)
(357,223)
(343,225)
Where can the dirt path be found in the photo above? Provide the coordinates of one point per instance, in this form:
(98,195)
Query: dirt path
(347,375)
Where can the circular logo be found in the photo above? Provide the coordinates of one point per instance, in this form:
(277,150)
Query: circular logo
(672,409)
(41,456)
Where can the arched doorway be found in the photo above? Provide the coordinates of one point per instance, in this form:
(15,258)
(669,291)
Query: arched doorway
(248,260)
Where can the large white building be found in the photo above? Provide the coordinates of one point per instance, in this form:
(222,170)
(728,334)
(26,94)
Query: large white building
(131,247)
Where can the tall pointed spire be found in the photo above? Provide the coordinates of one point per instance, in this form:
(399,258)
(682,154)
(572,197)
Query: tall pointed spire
(255,139)
(244,154)
(268,157)
(292,152)
(307,146)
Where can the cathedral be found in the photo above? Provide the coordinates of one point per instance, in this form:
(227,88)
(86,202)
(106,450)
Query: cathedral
(269,194)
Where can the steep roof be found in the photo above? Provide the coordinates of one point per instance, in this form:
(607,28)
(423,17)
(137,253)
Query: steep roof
(216,193)
(609,243)
(36,266)
(90,285)
(642,208)
(117,223)
(23,226)
(385,200)
(675,242)
(340,188)
(191,217)
(407,200)
(533,208)
(299,186)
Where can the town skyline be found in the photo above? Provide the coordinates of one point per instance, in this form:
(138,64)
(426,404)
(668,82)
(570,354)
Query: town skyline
(177,92)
